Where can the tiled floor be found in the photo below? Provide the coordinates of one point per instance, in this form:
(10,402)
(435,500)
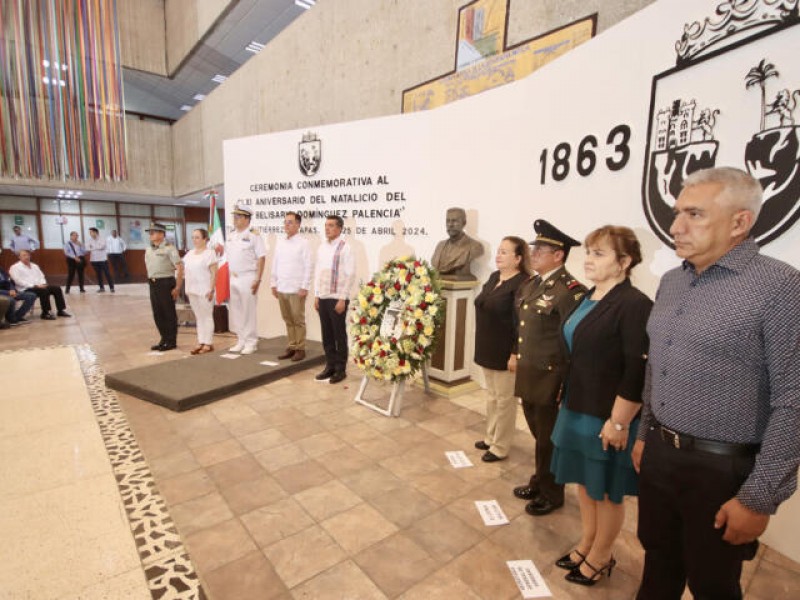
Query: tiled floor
(292,491)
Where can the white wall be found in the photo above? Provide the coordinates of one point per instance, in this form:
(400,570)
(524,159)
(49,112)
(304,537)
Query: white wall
(483,154)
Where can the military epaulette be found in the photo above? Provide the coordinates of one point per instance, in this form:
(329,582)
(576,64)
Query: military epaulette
(572,284)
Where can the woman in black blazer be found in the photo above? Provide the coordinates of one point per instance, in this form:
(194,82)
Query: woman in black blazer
(596,427)
(495,332)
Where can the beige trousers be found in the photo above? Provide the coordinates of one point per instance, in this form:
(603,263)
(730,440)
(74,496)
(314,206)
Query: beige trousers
(293,311)
(501,411)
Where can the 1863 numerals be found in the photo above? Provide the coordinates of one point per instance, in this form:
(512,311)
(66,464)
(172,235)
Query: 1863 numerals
(585,159)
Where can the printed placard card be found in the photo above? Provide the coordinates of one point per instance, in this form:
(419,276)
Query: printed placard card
(491,513)
(155,353)
(268,363)
(230,356)
(528,579)
(458,459)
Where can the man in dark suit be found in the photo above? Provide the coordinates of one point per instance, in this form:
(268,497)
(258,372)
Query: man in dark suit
(542,304)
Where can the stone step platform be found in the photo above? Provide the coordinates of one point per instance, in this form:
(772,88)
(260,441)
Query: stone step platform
(184,384)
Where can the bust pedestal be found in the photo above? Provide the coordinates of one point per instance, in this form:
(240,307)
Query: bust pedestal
(450,363)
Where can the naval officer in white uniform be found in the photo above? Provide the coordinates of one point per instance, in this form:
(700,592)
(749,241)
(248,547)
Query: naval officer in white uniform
(246,252)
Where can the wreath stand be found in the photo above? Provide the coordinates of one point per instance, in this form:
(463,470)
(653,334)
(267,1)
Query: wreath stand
(395,399)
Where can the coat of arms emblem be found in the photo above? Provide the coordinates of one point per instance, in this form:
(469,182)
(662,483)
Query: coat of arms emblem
(730,101)
(309,154)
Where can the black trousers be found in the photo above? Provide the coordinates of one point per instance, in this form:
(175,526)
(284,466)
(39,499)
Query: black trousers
(541,418)
(164,313)
(44,294)
(680,492)
(101,268)
(120,266)
(74,267)
(334,334)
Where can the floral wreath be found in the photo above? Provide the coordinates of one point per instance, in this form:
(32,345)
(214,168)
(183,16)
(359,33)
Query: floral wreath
(394,321)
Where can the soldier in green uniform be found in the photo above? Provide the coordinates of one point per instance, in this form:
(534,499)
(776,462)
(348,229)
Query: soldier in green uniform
(542,303)
(164,276)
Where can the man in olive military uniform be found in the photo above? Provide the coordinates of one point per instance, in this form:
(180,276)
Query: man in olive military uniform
(164,276)
(542,303)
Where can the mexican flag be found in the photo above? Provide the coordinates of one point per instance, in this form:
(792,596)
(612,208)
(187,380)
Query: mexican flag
(216,236)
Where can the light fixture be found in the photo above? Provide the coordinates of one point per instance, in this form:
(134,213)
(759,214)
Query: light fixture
(218,78)
(199,97)
(302,4)
(186,108)
(254,47)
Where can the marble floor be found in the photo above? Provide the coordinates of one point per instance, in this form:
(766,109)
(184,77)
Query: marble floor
(286,491)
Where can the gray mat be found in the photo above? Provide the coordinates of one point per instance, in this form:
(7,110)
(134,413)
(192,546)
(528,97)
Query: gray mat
(183,384)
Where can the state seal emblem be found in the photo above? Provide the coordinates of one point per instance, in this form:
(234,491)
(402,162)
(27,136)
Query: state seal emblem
(309,154)
(730,100)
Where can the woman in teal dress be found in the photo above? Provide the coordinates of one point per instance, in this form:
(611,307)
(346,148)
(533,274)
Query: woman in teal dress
(596,427)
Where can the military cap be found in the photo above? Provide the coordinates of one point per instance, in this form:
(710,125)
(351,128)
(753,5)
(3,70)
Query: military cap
(157,227)
(241,210)
(549,234)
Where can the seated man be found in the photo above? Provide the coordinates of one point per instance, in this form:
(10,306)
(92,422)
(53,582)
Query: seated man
(15,315)
(5,302)
(29,278)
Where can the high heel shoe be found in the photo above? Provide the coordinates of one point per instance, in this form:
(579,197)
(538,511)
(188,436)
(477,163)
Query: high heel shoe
(575,576)
(566,562)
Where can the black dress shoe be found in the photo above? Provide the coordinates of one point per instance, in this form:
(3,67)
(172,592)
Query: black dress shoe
(337,377)
(538,507)
(167,346)
(324,375)
(48,316)
(566,562)
(481,445)
(526,492)
(63,313)
(157,346)
(289,353)
(491,457)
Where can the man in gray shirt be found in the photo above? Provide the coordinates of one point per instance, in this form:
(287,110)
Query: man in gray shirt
(22,241)
(718,446)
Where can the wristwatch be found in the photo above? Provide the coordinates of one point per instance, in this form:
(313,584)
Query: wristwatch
(618,426)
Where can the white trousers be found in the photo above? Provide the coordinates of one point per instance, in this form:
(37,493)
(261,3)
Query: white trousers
(243,305)
(203,310)
(501,410)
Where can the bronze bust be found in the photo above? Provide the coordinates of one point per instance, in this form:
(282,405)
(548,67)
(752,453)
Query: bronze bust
(452,257)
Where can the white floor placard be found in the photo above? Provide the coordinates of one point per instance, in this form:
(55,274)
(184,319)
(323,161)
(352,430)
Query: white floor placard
(268,363)
(528,579)
(458,459)
(230,356)
(491,513)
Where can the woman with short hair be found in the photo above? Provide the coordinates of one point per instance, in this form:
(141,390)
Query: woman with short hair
(596,427)
(200,266)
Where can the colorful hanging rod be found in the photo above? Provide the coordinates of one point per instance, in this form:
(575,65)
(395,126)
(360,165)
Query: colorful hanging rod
(62,111)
